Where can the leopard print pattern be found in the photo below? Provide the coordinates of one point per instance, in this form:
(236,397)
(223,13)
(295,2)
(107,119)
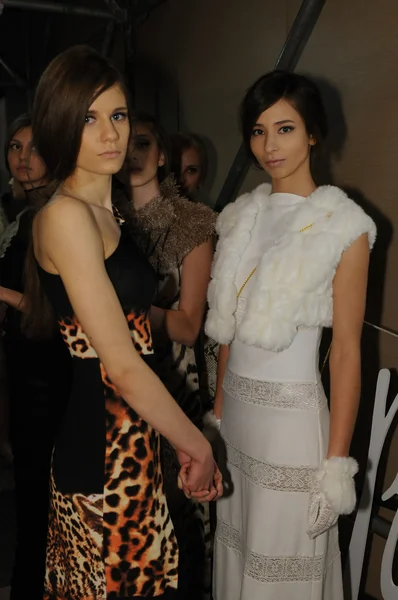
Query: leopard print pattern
(79,345)
(120,543)
(75,543)
(75,339)
(139,545)
(140,333)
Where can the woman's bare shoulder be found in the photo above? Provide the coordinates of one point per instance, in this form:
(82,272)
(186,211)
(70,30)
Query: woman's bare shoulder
(62,211)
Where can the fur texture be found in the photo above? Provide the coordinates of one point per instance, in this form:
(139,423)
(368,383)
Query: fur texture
(336,482)
(170,227)
(210,420)
(293,284)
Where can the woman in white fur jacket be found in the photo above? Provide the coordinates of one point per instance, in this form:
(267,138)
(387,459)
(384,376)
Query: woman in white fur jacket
(291,259)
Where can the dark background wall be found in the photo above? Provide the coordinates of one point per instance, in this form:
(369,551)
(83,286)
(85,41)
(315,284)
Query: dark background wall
(29,39)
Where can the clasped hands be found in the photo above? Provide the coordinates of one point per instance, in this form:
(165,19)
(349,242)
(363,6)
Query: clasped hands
(201,481)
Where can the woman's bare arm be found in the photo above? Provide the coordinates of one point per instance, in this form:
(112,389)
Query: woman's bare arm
(183,325)
(349,291)
(12,298)
(69,236)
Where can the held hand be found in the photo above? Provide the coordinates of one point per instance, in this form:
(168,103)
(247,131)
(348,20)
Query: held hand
(183,458)
(185,463)
(197,475)
(215,492)
(218,483)
(201,472)
(183,475)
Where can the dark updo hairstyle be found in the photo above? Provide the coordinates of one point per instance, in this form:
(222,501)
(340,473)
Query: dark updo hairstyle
(184,141)
(140,117)
(65,92)
(296,89)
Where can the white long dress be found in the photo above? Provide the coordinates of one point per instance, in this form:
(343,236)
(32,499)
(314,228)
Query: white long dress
(275,424)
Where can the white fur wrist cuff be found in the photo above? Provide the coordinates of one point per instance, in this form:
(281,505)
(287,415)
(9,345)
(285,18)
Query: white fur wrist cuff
(336,481)
(210,420)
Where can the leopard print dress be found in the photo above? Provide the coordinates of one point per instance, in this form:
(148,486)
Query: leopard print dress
(110,535)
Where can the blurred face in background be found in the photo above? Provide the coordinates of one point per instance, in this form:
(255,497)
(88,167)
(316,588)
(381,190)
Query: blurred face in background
(191,170)
(144,156)
(26,166)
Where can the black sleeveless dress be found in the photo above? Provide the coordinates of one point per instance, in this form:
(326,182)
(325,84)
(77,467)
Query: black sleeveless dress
(110,535)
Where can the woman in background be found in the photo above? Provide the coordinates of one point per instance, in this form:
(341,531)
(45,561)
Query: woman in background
(177,236)
(189,162)
(25,166)
(36,372)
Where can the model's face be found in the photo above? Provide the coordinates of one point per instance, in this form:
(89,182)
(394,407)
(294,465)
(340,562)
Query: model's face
(190,170)
(280,141)
(25,164)
(105,134)
(144,157)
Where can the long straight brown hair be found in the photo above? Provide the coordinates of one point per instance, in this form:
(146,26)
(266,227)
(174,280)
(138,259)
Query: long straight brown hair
(65,92)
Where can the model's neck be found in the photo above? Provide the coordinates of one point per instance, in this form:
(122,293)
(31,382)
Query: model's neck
(143,194)
(290,186)
(90,187)
(300,182)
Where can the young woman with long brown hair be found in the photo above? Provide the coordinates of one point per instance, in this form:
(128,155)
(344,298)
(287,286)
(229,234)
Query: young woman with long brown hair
(110,534)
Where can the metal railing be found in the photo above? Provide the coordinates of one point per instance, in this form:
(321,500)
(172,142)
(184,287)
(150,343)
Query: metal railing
(63,8)
(115,16)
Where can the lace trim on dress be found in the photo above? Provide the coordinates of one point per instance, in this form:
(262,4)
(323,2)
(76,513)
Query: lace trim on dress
(273,569)
(303,396)
(280,478)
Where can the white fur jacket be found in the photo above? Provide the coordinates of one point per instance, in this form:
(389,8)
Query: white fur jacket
(293,284)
